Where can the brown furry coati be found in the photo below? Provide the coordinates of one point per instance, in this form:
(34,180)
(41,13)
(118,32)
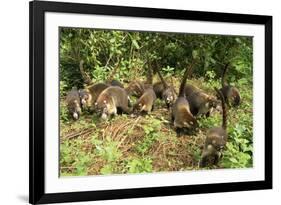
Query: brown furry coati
(230,93)
(146,102)
(73,103)
(181,116)
(90,94)
(158,88)
(189,89)
(110,100)
(216,139)
(202,103)
(168,93)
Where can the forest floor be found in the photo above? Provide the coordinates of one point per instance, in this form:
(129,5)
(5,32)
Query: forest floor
(127,144)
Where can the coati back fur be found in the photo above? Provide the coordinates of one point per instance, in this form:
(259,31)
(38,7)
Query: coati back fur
(202,103)
(158,88)
(181,115)
(189,89)
(73,103)
(230,93)
(110,100)
(216,139)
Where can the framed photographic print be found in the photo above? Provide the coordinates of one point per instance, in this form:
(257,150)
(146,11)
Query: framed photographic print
(141,102)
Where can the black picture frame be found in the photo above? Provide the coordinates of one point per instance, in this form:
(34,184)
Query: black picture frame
(37,10)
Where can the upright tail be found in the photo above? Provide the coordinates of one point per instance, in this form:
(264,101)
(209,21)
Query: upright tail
(149,77)
(223,83)
(224,109)
(113,72)
(85,76)
(162,79)
(185,75)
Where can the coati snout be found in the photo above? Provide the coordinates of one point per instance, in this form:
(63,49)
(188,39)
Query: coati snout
(169,96)
(73,103)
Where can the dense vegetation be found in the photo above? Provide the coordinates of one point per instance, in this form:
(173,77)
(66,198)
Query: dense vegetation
(124,144)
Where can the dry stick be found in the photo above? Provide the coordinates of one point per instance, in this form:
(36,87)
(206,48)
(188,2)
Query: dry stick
(120,143)
(67,167)
(118,129)
(77,134)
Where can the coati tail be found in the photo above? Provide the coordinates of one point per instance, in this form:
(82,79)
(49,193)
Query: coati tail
(162,79)
(85,76)
(223,83)
(224,111)
(149,77)
(113,72)
(182,86)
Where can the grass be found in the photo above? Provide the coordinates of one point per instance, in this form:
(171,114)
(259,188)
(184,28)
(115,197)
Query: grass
(147,144)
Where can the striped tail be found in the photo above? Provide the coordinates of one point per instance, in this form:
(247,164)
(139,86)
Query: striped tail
(224,109)
(85,76)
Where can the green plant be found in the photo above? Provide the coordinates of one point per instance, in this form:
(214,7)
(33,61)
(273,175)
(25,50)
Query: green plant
(140,165)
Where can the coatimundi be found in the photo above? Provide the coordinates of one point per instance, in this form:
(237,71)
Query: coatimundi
(73,103)
(110,100)
(202,104)
(230,93)
(145,103)
(158,88)
(216,139)
(167,92)
(181,116)
(89,95)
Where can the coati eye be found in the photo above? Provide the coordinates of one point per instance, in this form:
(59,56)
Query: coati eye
(104,101)
(214,142)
